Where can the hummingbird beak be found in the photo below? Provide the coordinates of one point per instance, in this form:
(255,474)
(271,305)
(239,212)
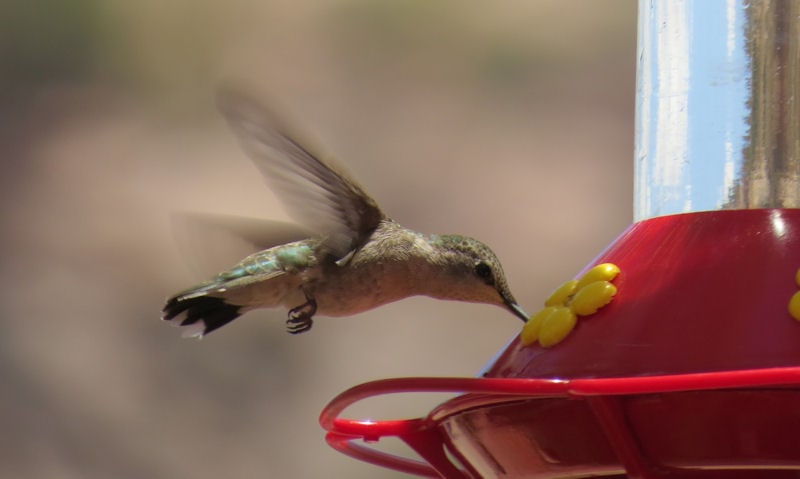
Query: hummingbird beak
(517,310)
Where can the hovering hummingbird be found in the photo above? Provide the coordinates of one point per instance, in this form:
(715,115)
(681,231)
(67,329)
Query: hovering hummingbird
(358,258)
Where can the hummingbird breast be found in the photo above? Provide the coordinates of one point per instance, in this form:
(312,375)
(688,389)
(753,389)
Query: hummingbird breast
(389,266)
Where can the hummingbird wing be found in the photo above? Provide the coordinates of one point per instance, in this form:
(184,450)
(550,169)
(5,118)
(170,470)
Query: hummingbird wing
(316,192)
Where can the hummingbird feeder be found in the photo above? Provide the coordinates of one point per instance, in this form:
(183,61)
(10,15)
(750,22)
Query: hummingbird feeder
(676,352)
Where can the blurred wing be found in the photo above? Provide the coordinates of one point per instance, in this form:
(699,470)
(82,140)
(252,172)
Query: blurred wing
(316,193)
(213,242)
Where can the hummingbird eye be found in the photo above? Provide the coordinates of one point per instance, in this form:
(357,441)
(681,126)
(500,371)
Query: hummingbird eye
(484,271)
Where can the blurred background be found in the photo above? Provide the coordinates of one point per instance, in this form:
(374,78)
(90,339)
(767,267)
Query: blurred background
(512,123)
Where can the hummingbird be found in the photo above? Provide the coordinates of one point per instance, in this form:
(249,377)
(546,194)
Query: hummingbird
(357,258)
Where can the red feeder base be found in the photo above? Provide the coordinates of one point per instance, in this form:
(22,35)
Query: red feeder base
(693,370)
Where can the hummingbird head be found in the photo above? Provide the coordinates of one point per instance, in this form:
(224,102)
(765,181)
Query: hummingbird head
(473,273)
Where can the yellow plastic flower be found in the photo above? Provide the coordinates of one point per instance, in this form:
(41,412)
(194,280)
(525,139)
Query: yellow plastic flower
(794,306)
(582,297)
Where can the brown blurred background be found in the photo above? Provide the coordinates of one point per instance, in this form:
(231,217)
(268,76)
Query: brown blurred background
(511,122)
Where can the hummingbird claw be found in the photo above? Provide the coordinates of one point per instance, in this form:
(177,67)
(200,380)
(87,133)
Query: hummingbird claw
(300,317)
(298,325)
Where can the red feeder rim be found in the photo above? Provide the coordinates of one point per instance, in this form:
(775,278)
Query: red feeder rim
(420,433)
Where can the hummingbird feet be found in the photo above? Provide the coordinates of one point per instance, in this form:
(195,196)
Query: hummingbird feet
(300,317)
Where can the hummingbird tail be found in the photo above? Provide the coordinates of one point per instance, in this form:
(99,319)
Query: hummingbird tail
(199,314)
